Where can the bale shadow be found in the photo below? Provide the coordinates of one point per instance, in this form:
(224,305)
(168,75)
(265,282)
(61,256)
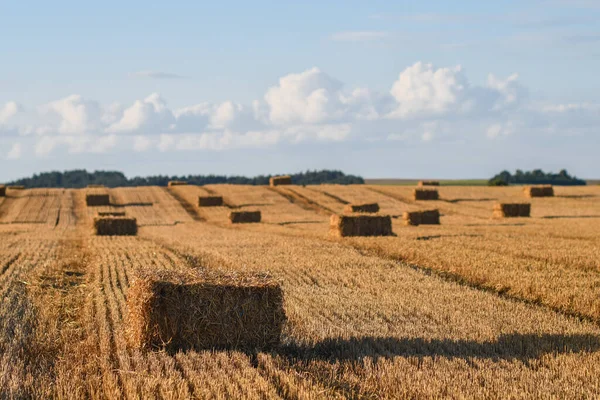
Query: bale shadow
(473,200)
(442,236)
(132,205)
(576,196)
(569,216)
(514,346)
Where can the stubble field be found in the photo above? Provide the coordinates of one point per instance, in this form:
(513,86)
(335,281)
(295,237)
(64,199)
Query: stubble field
(475,307)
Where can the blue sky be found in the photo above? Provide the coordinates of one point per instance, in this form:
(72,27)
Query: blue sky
(382,89)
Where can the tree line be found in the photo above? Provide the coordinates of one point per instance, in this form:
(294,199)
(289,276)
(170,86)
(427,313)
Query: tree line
(535,177)
(81,178)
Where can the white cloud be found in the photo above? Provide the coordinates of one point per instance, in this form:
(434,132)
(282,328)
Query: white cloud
(358,36)
(15,152)
(308,97)
(8,111)
(150,115)
(141,143)
(75,115)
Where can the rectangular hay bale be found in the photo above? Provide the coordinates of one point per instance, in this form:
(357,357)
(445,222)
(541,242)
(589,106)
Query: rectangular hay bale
(429,217)
(16,187)
(360,225)
(426,194)
(177,183)
(280,180)
(2,190)
(210,201)
(190,310)
(361,208)
(96,186)
(512,210)
(115,226)
(539,191)
(244,217)
(429,183)
(97,199)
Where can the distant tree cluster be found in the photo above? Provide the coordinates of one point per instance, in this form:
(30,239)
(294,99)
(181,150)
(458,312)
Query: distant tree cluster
(535,177)
(82,178)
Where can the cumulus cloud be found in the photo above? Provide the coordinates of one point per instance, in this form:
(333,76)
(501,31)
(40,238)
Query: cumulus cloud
(14,152)
(425,104)
(150,115)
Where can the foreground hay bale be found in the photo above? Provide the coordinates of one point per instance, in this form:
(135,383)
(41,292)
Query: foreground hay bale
(280,180)
(16,187)
(2,190)
(111,213)
(210,201)
(429,183)
(426,194)
(512,210)
(430,217)
(361,208)
(177,183)
(96,186)
(244,217)
(539,191)
(97,199)
(115,226)
(192,310)
(360,225)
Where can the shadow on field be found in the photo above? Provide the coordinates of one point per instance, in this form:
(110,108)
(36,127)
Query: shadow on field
(132,205)
(508,347)
(465,200)
(569,216)
(576,196)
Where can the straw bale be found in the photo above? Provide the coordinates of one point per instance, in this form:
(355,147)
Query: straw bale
(240,217)
(511,210)
(280,180)
(539,191)
(361,208)
(360,225)
(2,190)
(177,183)
(197,310)
(97,199)
(115,226)
(429,183)
(429,217)
(426,194)
(210,201)
(16,187)
(95,186)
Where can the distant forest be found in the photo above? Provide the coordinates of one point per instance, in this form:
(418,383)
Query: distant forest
(82,178)
(535,177)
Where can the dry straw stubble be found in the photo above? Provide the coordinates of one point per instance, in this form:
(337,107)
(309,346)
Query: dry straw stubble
(181,310)
(360,225)
(361,208)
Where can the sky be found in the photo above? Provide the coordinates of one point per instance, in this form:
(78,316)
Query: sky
(381,89)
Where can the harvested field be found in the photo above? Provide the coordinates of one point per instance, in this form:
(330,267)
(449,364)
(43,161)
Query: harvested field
(474,308)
